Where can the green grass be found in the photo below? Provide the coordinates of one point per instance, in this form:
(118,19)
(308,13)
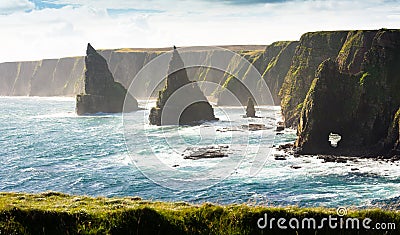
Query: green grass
(57,213)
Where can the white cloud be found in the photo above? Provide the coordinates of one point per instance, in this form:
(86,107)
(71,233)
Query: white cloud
(52,33)
(11,6)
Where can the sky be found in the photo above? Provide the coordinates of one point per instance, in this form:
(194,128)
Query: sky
(38,29)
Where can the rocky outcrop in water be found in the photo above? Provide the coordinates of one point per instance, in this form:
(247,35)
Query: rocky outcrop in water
(195,153)
(250,110)
(180,102)
(101,93)
(355,96)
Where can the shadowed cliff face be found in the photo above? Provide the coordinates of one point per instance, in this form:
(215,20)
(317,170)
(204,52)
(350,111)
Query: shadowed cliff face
(273,64)
(101,92)
(392,142)
(180,102)
(313,48)
(356,96)
(278,66)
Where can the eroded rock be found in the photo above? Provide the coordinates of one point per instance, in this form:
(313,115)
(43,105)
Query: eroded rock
(195,153)
(180,102)
(101,93)
(250,110)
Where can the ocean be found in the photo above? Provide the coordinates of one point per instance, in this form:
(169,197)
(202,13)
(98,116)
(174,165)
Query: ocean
(45,146)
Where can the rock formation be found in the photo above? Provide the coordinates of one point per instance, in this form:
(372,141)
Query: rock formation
(357,98)
(101,93)
(180,102)
(250,110)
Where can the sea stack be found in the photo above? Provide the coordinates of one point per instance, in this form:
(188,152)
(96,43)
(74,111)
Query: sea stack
(250,111)
(180,102)
(101,93)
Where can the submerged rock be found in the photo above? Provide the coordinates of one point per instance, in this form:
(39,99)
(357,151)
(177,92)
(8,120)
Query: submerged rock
(195,153)
(280,128)
(330,158)
(286,147)
(180,102)
(280,157)
(295,167)
(101,93)
(255,127)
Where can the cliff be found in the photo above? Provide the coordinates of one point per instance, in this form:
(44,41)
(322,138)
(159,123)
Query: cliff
(313,49)
(279,57)
(272,64)
(64,76)
(101,92)
(181,101)
(355,95)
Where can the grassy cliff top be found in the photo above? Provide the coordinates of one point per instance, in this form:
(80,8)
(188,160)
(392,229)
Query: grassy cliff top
(57,213)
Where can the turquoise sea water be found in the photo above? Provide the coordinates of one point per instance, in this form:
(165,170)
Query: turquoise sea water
(45,146)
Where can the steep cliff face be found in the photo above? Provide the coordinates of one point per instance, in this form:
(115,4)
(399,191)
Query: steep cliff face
(313,48)
(233,82)
(356,96)
(9,72)
(101,92)
(278,66)
(22,80)
(352,53)
(272,64)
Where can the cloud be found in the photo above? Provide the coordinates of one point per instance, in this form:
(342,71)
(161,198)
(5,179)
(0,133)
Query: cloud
(52,32)
(250,2)
(12,6)
(120,11)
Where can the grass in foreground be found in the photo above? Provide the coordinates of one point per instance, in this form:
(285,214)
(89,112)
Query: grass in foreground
(57,213)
